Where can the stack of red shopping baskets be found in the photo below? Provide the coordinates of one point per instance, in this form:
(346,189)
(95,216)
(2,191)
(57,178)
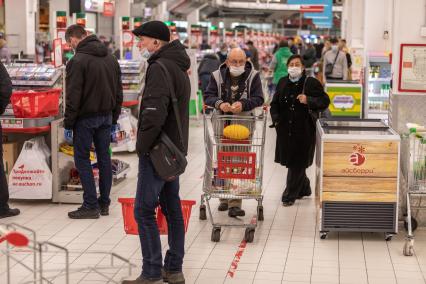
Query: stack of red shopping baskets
(36,103)
(130,225)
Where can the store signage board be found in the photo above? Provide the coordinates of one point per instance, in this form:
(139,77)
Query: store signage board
(345,99)
(57,52)
(108,9)
(311,8)
(412,68)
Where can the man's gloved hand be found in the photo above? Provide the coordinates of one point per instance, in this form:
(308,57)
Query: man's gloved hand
(68,136)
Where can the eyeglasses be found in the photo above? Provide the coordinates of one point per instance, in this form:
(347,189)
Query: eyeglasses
(235,62)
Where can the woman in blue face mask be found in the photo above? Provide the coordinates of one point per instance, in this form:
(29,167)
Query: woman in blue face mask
(294,109)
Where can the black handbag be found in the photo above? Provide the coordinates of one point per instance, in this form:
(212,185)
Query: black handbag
(168,160)
(329,67)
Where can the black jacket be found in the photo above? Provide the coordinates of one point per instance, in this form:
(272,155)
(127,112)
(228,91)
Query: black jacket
(5,88)
(93,83)
(254,97)
(295,126)
(310,57)
(208,64)
(156,111)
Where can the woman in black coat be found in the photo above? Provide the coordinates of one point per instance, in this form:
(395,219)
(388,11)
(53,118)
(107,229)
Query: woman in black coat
(294,109)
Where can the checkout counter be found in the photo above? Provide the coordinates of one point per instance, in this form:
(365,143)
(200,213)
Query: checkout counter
(357,176)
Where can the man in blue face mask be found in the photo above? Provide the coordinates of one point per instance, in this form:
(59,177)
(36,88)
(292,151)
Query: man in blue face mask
(234,89)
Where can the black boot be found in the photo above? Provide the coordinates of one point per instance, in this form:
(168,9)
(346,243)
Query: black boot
(172,277)
(9,212)
(84,213)
(236,212)
(223,206)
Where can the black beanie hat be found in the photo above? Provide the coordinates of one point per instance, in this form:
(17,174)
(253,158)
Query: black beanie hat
(154,29)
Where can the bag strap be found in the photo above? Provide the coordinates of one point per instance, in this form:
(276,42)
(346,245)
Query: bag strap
(173,99)
(335,59)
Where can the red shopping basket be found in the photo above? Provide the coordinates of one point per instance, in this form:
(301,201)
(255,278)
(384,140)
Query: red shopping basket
(130,225)
(36,103)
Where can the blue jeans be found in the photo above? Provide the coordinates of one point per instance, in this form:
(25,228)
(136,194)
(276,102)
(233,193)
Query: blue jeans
(95,130)
(151,192)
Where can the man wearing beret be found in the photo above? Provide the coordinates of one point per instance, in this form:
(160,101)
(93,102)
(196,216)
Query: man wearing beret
(157,116)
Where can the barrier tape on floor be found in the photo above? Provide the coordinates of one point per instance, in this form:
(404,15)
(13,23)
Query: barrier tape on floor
(239,253)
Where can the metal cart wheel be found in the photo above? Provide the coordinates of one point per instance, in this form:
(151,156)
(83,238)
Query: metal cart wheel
(216,234)
(409,247)
(203,213)
(323,235)
(249,235)
(260,216)
(388,237)
(414,224)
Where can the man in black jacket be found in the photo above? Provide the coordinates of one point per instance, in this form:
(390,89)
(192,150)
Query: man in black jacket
(234,89)
(5,93)
(157,116)
(93,105)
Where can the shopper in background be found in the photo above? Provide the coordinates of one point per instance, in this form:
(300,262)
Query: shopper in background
(318,49)
(5,94)
(234,89)
(335,65)
(5,55)
(309,56)
(344,48)
(204,45)
(93,105)
(294,110)
(208,64)
(292,45)
(223,53)
(157,116)
(254,54)
(327,47)
(278,65)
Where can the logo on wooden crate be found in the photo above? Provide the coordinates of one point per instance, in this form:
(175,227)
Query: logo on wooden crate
(357,158)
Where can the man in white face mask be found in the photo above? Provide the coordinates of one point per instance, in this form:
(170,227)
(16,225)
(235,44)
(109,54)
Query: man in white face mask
(335,63)
(234,89)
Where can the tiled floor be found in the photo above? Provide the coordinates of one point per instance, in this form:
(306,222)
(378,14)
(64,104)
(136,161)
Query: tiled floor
(286,247)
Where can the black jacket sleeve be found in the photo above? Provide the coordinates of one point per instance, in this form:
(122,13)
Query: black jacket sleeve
(154,109)
(5,88)
(275,104)
(74,91)
(255,98)
(119,97)
(211,95)
(316,96)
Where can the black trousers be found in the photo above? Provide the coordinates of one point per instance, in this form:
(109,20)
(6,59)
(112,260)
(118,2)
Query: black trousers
(297,184)
(4,190)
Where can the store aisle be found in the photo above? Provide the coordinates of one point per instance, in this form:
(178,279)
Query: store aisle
(286,247)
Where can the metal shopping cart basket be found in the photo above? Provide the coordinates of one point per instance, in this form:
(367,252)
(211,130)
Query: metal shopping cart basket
(416,180)
(31,261)
(234,164)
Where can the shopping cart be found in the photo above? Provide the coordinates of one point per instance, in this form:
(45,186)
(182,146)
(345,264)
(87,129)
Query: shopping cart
(234,167)
(416,182)
(32,261)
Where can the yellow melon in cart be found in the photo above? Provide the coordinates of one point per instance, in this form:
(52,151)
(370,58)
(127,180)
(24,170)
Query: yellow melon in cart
(236,132)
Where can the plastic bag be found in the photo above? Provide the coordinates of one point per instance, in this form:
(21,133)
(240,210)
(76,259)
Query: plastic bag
(31,177)
(124,139)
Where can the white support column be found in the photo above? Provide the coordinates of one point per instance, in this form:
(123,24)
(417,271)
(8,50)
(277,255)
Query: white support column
(122,9)
(192,19)
(21,36)
(160,13)
(54,6)
(377,23)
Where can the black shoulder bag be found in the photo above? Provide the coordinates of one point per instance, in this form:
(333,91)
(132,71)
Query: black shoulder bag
(322,113)
(329,67)
(168,160)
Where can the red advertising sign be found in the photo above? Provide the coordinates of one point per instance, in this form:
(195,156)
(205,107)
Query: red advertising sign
(108,9)
(57,52)
(311,8)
